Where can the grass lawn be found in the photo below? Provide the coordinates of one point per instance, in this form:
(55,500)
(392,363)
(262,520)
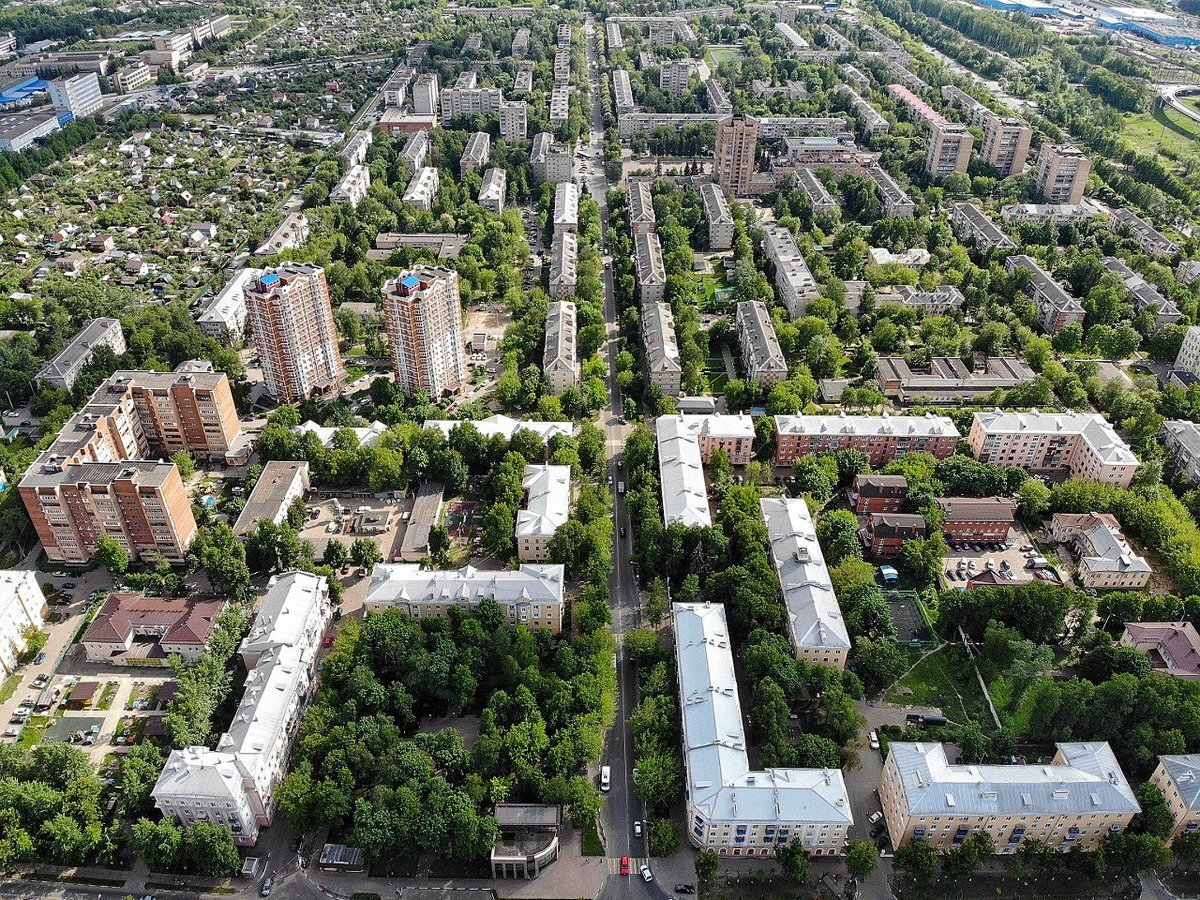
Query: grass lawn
(718,55)
(31,734)
(106,695)
(9,687)
(1162,131)
(590,843)
(714,368)
(945,679)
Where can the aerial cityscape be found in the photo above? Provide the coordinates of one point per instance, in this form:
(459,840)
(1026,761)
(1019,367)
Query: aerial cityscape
(600,449)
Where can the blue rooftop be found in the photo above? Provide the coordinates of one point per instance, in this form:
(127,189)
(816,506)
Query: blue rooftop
(410,281)
(23,90)
(269,279)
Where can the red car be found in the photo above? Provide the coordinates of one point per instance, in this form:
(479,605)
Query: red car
(328,641)
(624,865)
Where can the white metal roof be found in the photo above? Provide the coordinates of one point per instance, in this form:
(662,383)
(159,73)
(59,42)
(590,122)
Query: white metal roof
(503,425)
(681,474)
(1098,434)
(393,583)
(549,500)
(927,425)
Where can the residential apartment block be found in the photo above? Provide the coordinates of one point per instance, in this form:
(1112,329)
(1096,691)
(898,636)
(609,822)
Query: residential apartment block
(814,618)
(224,319)
(281,483)
(896,203)
(133,629)
(649,268)
(880,438)
(885,534)
(1106,561)
(514,120)
(664,367)
(100,477)
(352,187)
(1006,144)
(762,357)
(22,607)
(1058,309)
(877,494)
(423,314)
(560,359)
(1182,442)
(560,105)
(551,160)
(505,426)
(731,808)
(547,506)
(77,95)
(674,75)
(814,189)
(1143,294)
(1075,801)
(622,91)
(475,154)
(291,324)
(1173,648)
(1080,444)
(985,520)
(60,373)
(422,188)
(681,474)
(1178,777)
(941,299)
(718,216)
(566,207)
(735,153)
(426,98)
(949,149)
(970,224)
(794,283)
(530,595)
(234,785)
(493,189)
(564,264)
(1149,238)
(641,207)
(416,151)
(733,434)
(1061,173)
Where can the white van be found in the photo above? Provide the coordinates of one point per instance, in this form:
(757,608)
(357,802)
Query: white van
(605,778)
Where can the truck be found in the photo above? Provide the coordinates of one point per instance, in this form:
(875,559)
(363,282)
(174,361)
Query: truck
(620,487)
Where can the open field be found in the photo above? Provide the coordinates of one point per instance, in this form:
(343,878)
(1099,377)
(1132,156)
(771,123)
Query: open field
(1163,132)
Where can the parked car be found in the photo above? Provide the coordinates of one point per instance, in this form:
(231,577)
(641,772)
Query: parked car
(647,875)
(69,585)
(637,829)
(41,658)
(266,888)
(685,889)
(873,737)
(876,830)
(328,642)
(875,817)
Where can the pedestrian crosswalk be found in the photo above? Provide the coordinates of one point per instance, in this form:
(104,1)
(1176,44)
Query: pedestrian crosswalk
(614,864)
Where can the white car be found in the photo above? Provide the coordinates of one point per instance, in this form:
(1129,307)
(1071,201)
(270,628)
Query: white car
(874,817)
(873,737)
(637,829)
(647,875)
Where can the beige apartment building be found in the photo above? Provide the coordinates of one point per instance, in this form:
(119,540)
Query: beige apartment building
(1178,777)
(736,148)
(1079,444)
(1006,144)
(291,322)
(1075,801)
(423,315)
(105,475)
(949,149)
(1061,173)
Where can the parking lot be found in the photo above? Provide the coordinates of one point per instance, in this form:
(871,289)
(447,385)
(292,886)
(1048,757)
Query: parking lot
(1008,562)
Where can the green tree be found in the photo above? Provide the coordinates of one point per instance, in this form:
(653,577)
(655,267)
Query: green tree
(664,837)
(185,463)
(793,861)
(159,844)
(209,851)
(365,553)
(112,556)
(837,531)
(918,859)
(1155,817)
(439,545)
(659,779)
(1186,848)
(335,554)
(707,863)
(861,859)
(1127,853)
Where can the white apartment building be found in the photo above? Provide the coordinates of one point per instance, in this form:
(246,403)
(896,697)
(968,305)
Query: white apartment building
(681,474)
(366,435)
(530,596)
(1006,144)
(564,264)
(560,358)
(674,75)
(1149,239)
(423,188)
(732,433)
(794,283)
(78,95)
(566,207)
(355,150)
(814,618)
(731,808)
(234,785)
(290,234)
(1143,294)
(483,102)
(547,506)
(279,485)
(550,159)
(664,366)
(720,219)
(1081,444)
(475,154)
(1057,213)
(291,323)
(762,357)
(224,319)
(22,606)
(352,187)
(493,189)
(622,91)
(1075,801)
(649,267)
(416,151)
(1188,358)
(426,100)
(562,65)
(1178,777)
(60,373)
(514,120)
(1182,441)
(560,105)
(423,314)
(505,426)
(641,207)
(814,189)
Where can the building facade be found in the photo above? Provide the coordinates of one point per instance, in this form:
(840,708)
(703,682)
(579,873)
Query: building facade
(547,506)
(1061,173)
(1079,444)
(762,357)
(423,314)
(879,438)
(560,358)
